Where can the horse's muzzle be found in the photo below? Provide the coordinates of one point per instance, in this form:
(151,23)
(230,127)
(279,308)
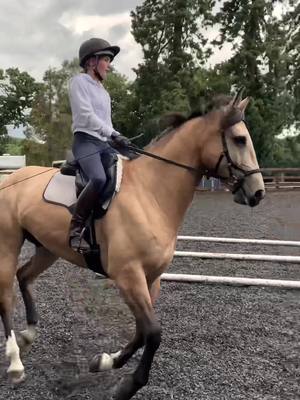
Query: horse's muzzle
(241,198)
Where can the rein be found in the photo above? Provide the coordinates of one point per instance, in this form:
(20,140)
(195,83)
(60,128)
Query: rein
(137,150)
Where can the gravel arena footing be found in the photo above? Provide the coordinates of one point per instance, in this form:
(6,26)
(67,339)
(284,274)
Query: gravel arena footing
(219,342)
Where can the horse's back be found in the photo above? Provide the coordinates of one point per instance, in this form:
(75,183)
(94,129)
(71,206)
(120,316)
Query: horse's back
(30,175)
(24,184)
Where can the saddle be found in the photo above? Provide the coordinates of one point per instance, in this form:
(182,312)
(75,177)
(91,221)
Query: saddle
(66,185)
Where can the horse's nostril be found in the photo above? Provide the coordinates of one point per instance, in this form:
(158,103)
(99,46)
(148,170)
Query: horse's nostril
(259,194)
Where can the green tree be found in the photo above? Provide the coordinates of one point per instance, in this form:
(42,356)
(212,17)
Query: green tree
(50,118)
(17,94)
(259,63)
(292,49)
(123,103)
(173,46)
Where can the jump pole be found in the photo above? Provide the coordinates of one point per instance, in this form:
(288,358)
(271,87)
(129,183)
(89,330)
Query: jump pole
(246,257)
(237,240)
(233,281)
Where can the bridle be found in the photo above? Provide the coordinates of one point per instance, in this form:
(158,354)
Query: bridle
(237,174)
(234,181)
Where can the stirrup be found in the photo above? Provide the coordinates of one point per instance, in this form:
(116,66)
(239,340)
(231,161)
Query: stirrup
(78,247)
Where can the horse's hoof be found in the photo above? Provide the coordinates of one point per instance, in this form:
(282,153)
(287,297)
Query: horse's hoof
(95,364)
(103,362)
(16,377)
(25,338)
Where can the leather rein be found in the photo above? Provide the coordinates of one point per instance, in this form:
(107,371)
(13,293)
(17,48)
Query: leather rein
(234,180)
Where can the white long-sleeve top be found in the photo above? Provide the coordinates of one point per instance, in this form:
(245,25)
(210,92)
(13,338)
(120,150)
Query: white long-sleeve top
(91,107)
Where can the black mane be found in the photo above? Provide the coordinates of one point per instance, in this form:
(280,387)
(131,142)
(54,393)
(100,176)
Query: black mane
(174,120)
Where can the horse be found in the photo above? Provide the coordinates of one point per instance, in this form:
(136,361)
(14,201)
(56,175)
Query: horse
(137,235)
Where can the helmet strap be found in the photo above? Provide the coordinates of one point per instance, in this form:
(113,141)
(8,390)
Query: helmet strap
(98,76)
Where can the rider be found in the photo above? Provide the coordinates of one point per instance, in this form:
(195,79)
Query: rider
(92,127)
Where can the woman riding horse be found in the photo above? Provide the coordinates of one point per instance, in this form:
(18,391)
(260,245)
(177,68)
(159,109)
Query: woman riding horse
(92,127)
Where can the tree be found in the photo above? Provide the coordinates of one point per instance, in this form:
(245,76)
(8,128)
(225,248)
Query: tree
(173,46)
(259,63)
(123,102)
(292,49)
(50,118)
(17,93)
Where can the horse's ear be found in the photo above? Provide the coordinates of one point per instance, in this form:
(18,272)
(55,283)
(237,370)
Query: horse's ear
(237,98)
(243,104)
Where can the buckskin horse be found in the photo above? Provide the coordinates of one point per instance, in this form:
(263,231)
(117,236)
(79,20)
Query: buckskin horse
(138,233)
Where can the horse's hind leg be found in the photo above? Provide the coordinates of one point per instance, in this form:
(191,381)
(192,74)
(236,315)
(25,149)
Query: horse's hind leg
(26,275)
(103,362)
(38,263)
(7,273)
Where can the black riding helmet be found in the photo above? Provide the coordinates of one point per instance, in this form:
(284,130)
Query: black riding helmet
(94,47)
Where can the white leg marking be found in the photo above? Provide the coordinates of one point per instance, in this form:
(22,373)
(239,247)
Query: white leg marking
(16,367)
(107,361)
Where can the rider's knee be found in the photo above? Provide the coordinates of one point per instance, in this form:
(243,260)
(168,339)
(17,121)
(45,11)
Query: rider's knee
(98,183)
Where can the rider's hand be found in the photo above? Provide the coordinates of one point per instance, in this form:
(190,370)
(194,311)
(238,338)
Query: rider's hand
(120,140)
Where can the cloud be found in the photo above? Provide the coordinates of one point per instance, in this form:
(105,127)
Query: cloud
(36,35)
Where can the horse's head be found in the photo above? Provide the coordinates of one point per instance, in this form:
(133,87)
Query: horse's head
(230,155)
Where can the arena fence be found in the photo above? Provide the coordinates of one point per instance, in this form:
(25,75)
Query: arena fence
(274,178)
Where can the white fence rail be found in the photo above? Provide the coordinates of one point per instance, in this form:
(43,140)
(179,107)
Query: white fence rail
(236,281)
(238,240)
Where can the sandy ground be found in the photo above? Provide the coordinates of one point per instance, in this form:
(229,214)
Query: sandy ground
(219,342)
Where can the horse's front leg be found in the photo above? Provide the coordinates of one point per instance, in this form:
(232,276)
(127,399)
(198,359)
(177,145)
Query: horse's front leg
(133,286)
(103,362)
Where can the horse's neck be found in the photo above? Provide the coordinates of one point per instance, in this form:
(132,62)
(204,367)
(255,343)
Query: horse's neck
(170,187)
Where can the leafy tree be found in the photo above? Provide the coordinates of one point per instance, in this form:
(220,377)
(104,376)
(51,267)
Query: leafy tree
(123,102)
(292,49)
(259,63)
(173,46)
(14,147)
(50,118)
(17,93)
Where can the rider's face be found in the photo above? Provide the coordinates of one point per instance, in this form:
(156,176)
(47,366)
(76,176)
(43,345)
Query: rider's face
(103,66)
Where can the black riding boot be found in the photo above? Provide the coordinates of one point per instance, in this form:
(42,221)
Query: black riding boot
(86,202)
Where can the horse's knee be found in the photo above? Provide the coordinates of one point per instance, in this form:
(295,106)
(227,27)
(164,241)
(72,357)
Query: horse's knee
(22,274)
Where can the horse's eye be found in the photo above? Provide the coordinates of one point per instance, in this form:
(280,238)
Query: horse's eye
(240,140)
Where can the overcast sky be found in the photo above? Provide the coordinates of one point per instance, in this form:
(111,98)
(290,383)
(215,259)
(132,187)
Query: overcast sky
(38,34)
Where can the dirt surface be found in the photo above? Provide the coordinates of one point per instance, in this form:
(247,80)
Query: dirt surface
(219,342)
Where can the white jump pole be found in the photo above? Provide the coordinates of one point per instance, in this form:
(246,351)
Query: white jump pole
(237,240)
(247,257)
(234,281)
